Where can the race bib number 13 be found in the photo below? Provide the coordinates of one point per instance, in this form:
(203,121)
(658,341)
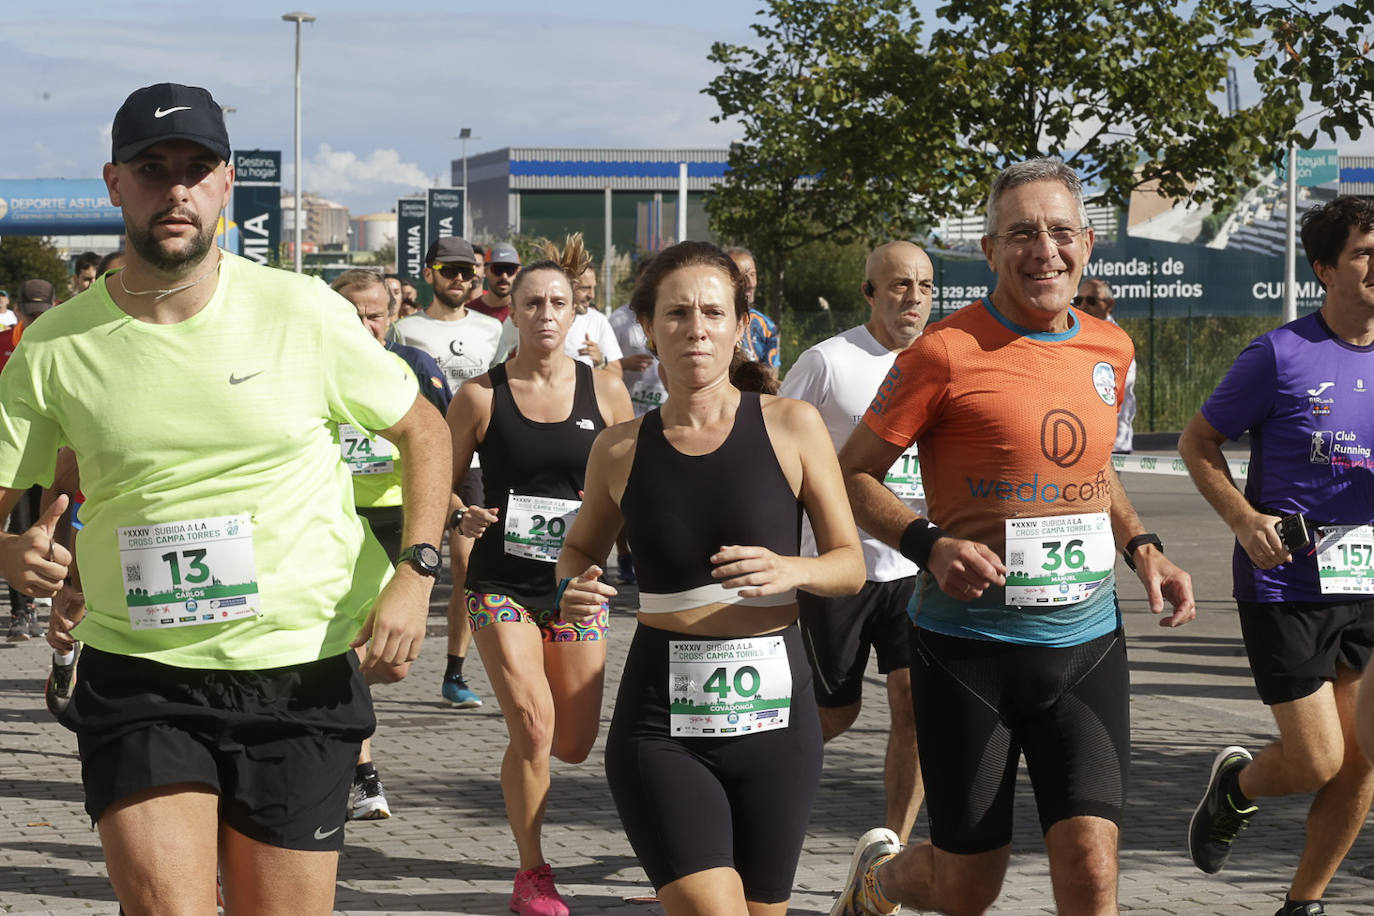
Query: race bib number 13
(179,574)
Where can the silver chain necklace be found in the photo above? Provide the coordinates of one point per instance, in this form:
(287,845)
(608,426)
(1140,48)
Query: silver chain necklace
(160,294)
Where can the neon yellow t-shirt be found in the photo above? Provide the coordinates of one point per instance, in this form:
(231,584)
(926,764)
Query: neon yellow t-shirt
(209,460)
(373,461)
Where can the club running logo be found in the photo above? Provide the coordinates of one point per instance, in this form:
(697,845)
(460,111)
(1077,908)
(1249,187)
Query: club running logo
(1063,437)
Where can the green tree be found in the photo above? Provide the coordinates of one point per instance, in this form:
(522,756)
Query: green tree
(823,154)
(27,257)
(855,129)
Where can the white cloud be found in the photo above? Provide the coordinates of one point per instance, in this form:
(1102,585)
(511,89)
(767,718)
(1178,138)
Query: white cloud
(343,172)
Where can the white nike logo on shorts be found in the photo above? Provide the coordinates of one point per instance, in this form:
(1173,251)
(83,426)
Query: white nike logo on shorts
(322,834)
(162,114)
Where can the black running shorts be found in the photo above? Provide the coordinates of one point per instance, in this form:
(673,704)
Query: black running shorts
(1295,646)
(839,633)
(278,746)
(981,704)
(386,524)
(693,803)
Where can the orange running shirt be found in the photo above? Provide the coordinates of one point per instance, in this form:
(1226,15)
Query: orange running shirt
(1009,423)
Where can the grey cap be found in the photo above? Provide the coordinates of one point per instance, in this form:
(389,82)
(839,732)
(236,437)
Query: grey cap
(35,297)
(450,250)
(502,253)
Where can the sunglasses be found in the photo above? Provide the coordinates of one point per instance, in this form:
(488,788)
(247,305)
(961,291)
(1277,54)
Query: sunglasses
(503,270)
(453,271)
(1091,300)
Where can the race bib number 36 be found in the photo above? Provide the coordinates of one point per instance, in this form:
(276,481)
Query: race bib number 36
(722,689)
(179,574)
(1345,560)
(1060,559)
(536,525)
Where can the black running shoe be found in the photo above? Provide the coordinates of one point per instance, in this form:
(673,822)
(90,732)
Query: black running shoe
(1289,908)
(1217,821)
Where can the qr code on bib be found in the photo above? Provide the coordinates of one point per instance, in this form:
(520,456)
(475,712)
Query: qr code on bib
(1017,558)
(681,683)
(132,573)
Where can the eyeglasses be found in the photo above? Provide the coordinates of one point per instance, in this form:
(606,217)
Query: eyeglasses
(1062,236)
(503,270)
(453,271)
(1092,300)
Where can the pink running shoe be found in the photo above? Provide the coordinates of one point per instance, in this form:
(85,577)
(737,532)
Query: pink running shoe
(535,895)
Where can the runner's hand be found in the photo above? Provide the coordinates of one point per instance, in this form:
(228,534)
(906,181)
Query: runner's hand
(637,363)
(476,520)
(1258,534)
(590,350)
(584,597)
(965,569)
(395,627)
(33,562)
(1164,581)
(755,571)
(68,609)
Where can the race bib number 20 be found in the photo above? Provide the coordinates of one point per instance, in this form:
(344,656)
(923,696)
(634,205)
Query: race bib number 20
(179,574)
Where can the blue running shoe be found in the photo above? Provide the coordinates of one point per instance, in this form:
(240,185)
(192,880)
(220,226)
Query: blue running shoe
(457,692)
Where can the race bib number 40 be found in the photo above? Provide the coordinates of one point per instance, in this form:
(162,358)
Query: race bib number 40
(179,574)
(1059,559)
(1345,560)
(722,689)
(362,453)
(536,525)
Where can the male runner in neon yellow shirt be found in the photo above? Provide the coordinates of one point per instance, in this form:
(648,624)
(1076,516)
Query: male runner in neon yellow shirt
(218,707)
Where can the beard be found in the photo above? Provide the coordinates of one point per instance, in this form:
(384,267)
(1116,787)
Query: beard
(453,297)
(170,262)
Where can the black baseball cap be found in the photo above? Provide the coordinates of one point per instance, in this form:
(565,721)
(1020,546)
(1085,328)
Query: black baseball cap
(450,250)
(35,297)
(168,111)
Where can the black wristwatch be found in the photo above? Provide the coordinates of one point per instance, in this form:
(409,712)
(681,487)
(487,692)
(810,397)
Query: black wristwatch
(424,557)
(1135,543)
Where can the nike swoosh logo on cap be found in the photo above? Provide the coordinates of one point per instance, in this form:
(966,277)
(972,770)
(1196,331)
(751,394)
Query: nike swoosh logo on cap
(160,113)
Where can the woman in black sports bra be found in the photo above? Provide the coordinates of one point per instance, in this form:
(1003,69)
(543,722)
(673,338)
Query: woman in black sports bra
(714,750)
(532,420)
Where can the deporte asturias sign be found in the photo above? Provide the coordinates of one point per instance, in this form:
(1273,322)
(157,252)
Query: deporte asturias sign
(57,206)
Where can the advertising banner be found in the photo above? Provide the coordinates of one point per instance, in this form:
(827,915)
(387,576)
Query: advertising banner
(58,206)
(444,214)
(410,237)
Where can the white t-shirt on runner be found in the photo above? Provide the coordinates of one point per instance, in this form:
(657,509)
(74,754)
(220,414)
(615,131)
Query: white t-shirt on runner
(645,386)
(840,376)
(464,349)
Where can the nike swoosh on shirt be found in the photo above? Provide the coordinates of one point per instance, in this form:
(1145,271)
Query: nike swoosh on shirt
(160,113)
(235,380)
(322,834)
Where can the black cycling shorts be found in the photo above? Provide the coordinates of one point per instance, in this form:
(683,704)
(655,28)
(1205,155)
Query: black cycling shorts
(1295,646)
(277,745)
(980,704)
(839,633)
(693,803)
(386,523)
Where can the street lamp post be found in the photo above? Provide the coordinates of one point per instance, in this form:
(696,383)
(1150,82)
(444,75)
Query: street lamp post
(227,215)
(465,134)
(298,18)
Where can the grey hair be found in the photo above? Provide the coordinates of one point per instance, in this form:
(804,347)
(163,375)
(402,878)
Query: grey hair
(1049,168)
(365,279)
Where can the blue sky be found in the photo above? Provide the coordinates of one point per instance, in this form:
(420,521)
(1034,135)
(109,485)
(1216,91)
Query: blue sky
(386,85)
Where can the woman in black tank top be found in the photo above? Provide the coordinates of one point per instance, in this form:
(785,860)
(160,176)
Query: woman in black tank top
(533,420)
(714,751)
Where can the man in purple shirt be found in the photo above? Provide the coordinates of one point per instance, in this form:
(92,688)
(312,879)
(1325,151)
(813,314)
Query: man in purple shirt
(1305,393)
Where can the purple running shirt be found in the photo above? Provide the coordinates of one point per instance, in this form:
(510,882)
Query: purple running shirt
(1307,399)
